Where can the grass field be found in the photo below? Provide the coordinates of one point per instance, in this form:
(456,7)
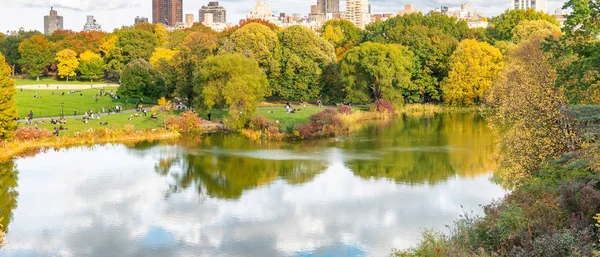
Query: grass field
(275,113)
(51,81)
(115,121)
(49,105)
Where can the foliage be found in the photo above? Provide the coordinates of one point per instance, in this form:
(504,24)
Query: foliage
(527,29)
(575,55)
(82,41)
(91,66)
(342,34)
(31,133)
(234,81)
(501,26)
(382,106)
(8,105)
(473,67)
(162,54)
(324,123)
(375,71)
(134,44)
(529,113)
(187,122)
(8,195)
(67,63)
(36,53)
(304,57)
(140,80)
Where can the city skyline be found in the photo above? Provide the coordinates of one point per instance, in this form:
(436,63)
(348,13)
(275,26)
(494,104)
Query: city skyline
(117,13)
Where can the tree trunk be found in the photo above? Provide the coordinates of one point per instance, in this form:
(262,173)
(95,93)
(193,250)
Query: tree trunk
(67,78)
(14,66)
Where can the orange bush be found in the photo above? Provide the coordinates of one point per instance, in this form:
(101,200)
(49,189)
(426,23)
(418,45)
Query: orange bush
(31,133)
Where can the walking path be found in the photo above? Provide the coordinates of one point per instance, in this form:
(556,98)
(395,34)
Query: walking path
(66,86)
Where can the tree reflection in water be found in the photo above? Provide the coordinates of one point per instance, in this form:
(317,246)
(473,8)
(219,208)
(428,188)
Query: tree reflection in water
(8,193)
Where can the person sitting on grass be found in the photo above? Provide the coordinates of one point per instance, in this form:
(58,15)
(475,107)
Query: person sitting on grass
(55,132)
(154,116)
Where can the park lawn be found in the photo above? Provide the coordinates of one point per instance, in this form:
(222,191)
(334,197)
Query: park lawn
(51,81)
(49,105)
(115,121)
(280,114)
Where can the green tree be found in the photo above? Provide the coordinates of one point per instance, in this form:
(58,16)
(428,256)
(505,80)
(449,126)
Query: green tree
(36,53)
(529,113)
(135,44)
(342,34)
(501,26)
(473,67)
(304,56)
(91,66)
(234,81)
(10,48)
(67,63)
(527,29)
(375,71)
(140,80)
(8,194)
(8,105)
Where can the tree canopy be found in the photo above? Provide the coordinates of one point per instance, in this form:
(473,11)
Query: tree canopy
(67,63)
(8,105)
(140,80)
(91,66)
(36,53)
(501,26)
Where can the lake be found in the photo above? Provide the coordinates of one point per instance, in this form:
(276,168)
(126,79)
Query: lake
(223,195)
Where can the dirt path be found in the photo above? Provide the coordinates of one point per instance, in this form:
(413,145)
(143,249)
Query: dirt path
(66,86)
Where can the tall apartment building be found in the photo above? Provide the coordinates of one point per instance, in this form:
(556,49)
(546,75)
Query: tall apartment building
(261,11)
(219,14)
(91,24)
(538,5)
(52,22)
(326,6)
(168,12)
(357,11)
(139,20)
(189,20)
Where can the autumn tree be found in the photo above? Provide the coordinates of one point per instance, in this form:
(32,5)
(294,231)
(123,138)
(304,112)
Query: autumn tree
(375,71)
(473,67)
(529,112)
(342,34)
(140,80)
(527,29)
(501,26)
(163,61)
(82,41)
(36,53)
(161,34)
(67,63)
(135,44)
(162,54)
(258,42)
(8,105)
(91,66)
(304,56)
(234,81)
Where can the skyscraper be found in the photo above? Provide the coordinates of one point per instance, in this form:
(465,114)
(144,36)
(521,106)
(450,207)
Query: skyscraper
(327,6)
(189,19)
(52,22)
(219,14)
(538,5)
(91,24)
(139,20)
(168,12)
(357,11)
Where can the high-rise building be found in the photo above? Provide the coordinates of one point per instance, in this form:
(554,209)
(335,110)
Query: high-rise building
(408,9)
(326,6)
(261,11)
(168,12)
(139,20)
(91,24)
(189,20)
(218,12)
(52,22)
(538,5)
(357,11)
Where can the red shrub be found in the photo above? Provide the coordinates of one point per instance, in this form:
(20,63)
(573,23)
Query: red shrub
(259,122)
(322,123)
(31,133)
(187,122)
(344,109)
(382,106)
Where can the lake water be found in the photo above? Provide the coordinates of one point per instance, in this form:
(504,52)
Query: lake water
(223,195)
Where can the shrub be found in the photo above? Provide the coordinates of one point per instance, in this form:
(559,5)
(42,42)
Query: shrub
(186,122)
(323,123)
(259,122)
(382,106)
(31,133)
(344,109)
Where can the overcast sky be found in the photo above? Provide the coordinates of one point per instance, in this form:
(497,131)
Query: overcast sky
(112,14)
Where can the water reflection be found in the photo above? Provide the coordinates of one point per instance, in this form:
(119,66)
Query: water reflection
(226,196)
(8,193)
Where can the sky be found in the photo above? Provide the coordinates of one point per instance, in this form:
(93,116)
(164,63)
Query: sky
(112,14)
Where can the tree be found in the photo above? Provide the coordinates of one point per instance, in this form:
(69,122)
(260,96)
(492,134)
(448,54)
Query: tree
(576,56)
(91,66)
(82,41)
(258,42)
(342,34)
(67,63)
(135,44)
(501,26)
(304,56)
(234,81)
(473,67)
(162,54)
(529,113)
(140,80)
(375,71)
(527,29)
(36,53)
(8,104)
(161,34)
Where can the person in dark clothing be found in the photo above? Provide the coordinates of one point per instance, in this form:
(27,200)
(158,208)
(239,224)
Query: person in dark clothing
(209,114)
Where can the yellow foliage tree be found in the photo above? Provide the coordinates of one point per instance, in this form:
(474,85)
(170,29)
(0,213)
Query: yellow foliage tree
(8,105)
(527,29)
(67,63)
(162,35)
(473,67)
(162,54)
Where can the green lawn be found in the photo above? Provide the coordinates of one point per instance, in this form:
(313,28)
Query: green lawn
(49,105)
(51,81)
(275,113)
(115,121)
